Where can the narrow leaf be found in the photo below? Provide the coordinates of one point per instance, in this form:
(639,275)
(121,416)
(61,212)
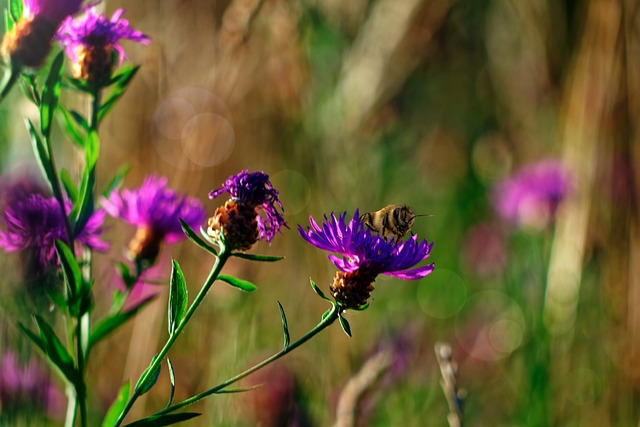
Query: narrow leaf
(345,325)
(30,88)
(117,406)
(285,327)
(84,208)
(80,121)
(317,290)
(172,379)
(33,337)
(116,181)
(69,185)
(15,10)
(237,390)
(177,297)
(163,420)
(41,153)
(148,378)
(121,81)
(72,129)
(50,95)
(191,235)
(110,323)
(70,269)
(9,23)
(254,257)
(55,350)
(238,283)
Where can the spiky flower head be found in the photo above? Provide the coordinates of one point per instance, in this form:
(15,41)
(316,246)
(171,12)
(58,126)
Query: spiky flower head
(239,218)
(30,40)
(90,40)
(530,197)
(35,222)
(363,256)
(156,210)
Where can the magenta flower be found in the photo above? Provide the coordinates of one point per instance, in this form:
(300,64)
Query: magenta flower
(531,196)
(250,192)
(89,40)
(34,223)
(29,42)
(156,210)
(363,256)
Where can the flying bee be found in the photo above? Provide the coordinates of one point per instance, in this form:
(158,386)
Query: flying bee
(391,221)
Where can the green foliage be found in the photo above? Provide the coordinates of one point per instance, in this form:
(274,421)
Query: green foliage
(120,83)
(177,297)
(285,327)
(148,378)
(163,420)
(50,95)
(255,257)
(243,285)
(191,235)
(117,406)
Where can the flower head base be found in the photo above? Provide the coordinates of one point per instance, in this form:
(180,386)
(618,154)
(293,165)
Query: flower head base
(34,223)
(29,42)
(156,210)
(364,256)
(238,220)
(90,40)
(531,196)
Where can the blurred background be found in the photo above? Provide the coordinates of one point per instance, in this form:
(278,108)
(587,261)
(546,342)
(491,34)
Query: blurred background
(356,105)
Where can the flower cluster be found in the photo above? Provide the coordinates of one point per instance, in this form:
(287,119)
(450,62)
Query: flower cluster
(156,210)
(90,40)
(238,219)
(35,222)
(531,196)
(29,42)
(364,256)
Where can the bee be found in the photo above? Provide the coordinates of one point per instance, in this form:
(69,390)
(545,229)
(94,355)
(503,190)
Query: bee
(391,221)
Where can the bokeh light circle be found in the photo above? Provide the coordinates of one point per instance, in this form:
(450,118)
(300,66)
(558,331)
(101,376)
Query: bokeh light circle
(208,139)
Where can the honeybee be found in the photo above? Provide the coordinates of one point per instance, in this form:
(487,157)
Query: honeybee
(391,221)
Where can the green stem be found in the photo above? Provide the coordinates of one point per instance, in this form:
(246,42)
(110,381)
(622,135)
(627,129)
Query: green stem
(81,392)
(72,406)
(213,275)
(328,320)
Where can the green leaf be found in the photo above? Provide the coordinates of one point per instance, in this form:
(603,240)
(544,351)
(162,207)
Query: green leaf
(172,379)
(80,121)
(55,350)
(69,185)
(92,149)
(70,269)
(177,297)
(345,325)
(41,153)
(32,336)
(16,10)
(71,127)
(30,88)
(82,211)
(116,181)
(237,389)
(253,257)
(191,235)
(317,290)
(285,327)
(148,378)
(238,283)
(163,420)
(112,322)
(50,95)
(121,82)
(78,84)
(117,406)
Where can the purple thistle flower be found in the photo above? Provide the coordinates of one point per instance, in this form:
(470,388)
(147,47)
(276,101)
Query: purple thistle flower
(34,223)
(89,40)
(249,192)
(156,210)
(531,196)
(29,42)
(364,256)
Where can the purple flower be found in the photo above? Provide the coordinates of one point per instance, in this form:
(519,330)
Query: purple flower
(249,192)
(156,210)
(531,196)
(53,11)
(34,223)
(364,255)
(29,41)
(89,40)
(25,387)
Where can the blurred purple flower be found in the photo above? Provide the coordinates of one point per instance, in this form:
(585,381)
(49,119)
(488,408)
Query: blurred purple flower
(89,40)
(34,223)
(364,256)
(156,210)
(25,387)
(29,42)
(531,196)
